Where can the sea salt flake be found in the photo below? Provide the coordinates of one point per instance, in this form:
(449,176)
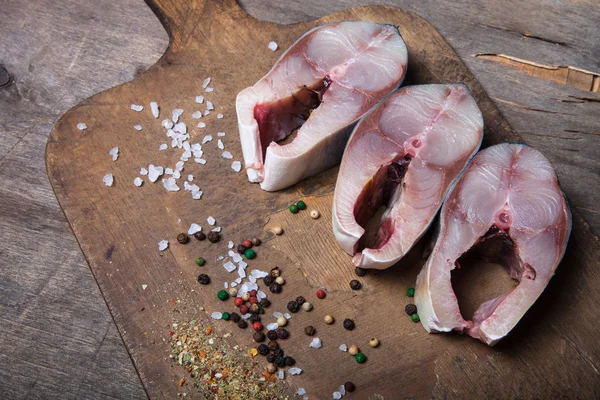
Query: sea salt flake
(190,177)
(176,174)
(252,279)
(241,271)
(154,172)
(168,171)
(162,245)
(234,284)
(237,258)
(81,126)
(175,114)
(217,229)
(138,181)
(220,144)
(205,83)
(167,123)
(179,165)
(209,105)
(277,314)
(180,127)
(343,347)
(226,285)
(143,171)
(287,316)
(207,112)
(154,109)
(272,326)
(163,146)
(216,315)
(227,155)
(281,375)
(211,220)
(144,287)
(137,127)
(337,395)
(342,390)
(197,195)
(197,114)
(231,253)
(316,343)
(207,138)
(199,99)
(230,244)
(295,371)
(108,179)
(201,125)
(220,116)
(236,166)
(301,392)
(273,46)
(261,295)
(258,274)
(209,90)
(114,152)
(220,134)
(246,316)
(170,184)
(137,107)
(194,228)
(229,266)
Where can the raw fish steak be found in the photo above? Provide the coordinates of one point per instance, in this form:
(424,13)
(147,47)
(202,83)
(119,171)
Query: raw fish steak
(509,208)
(405,154)
(322,84)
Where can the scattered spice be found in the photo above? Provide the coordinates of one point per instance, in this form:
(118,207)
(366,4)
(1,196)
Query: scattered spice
(200,261)
(282,333)
(214,237)
(410,309)
(310,330)
(200,235)
(183,238)
(222,295)
(307,306)
(250,254)
(349,324)
(292,306)
(294,209)
(410,292)
(203,279)
(374,342)
(360,358)
(360,271)
(181,382)
(355,285)
(321,294)
(415,317)
(275,287)
(353,350)
(272,335)
(301,205)
(349,387)
(314,214)
(278,230)
(329,319)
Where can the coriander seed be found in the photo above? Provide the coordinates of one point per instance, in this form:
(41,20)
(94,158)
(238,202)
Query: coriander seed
(353,350)
(183,238)
(329,319)
(310,330)
(282,321)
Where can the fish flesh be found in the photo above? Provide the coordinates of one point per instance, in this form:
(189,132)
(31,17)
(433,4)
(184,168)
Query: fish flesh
(507,206)
(405,154)
(322,85)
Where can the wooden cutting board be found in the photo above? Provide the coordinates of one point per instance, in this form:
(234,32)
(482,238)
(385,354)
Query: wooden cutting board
(553,351)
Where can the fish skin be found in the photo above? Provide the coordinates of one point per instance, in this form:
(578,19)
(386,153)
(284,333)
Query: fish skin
(320,141)
(381,148)
(512,179)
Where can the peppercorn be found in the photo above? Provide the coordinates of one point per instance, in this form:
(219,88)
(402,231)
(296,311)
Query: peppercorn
(264,303)
(244,309)
(307,306)
(301,205)
(278,352)
(232,292)
(200,261)
(294,209)
(246,296)
(238,301)
(272,335)
(410,309)
(203,279)
(241,249)
(254,318)
(271,357)
(222,295)
(259,337)
(183,238)
(256,241)
(253,292)
(275,272)
(242,324)
(353,350)
(280,362)
(349,386)
(314,214)
(360,358)
(271,368)
(410,292)
(267,280)
(226,316)
(250,254)
(348,324)
(415,317)
(214,237)
(254,308)
(300,300)
(310,330)
(278,230)
(355,285)
(275,287)
(235,317)
(253,300)
(289,361)
(282,333)
(292,306)
(360,271)
(282,321)
(257,326)
(263,349)
(273,345)
(200,235)
(321,294)
(329,319)
(280,280)
(374,342)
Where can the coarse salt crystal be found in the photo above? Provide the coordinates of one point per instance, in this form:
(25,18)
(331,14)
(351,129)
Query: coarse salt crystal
(342,390)
(190,177)
(144,287)
(236,166)
(197,114)
(337,395)
(180,127)
(234,284)
(226,285)
(114,152)
(163,146)
(281,375)
(209,105)
(220,134)
(287,316)
(207,112)
(246,316)
(217,229)
(220,116)
(211,220)
(220,144)
(137,107)
(194,228)
(108,179)
(295,371)
(206,82)
(230,244)
(162,245)
(273,46)
(277,314)
(137,127)
(301,392)
(200,161)
(227,155)
(241,271)
(199,99)
(81,126)
(258,274)
(218,375)
(154,172)
(229,266)
(237,258)
(316,343)
(343,347)
(179,165)
(175,114)
(143,171)
(167,123)
(138,181)
(216,315)
(206,139)
(168,171)
(272,326)
(176,174)
(170,184)
(209,90)
(261,295)
(201,125)
(154,109)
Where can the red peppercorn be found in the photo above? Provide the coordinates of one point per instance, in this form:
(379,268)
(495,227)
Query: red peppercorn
(321,294)
(244,309)
(253,300)
(238,301)
(253,293)
(257,326)
(247,244)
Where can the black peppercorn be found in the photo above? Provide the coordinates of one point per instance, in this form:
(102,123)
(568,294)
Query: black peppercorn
(241,249)
(272,335)
(292,306)
(267,280)
(254,318)
(263,349)
(200,235)
(183,238)
(242,324)
(214,237)
(254,309)
(235,317)
(349,386)
(275,272)
(271,357)
(348,324)
(258,337)
(289,361)
(355,285)
(282,333)
(410,309)
(275,287)
(279,361)
(300,300)
(278,352)
(273,345)
(360,271)
(310,330)
(265,303)
(203,279)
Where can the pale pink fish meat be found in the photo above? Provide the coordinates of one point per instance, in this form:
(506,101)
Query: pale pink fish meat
(322,84)
(405,154)
(508,203)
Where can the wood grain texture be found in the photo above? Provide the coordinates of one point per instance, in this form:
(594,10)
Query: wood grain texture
(119,240)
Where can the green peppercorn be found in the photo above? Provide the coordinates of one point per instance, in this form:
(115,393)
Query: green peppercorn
(222,295)
(301,205)
(415,317)
(293,209)
(200,261)
(410,292)
(226,316)
(250,254)
(360,358)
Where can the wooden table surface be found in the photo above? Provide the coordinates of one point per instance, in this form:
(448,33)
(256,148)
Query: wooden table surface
(539,62)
